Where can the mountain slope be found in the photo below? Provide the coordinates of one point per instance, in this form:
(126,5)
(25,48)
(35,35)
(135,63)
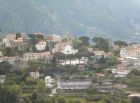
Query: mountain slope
(106,18)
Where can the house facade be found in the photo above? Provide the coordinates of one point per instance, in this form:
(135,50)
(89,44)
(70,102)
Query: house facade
(11,40)
(34,56)
(41,45)
(130,51)
(49,82)
(35,75)
(99,54)
(11,60)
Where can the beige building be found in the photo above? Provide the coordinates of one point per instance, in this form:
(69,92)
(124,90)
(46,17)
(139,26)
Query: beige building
(54,38)
(99,54)
(130,51)
(34,56)
(10,40)
(35,75)
(11,60)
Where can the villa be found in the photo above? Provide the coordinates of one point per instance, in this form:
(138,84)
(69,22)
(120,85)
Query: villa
(41,45)
(49,82)
(69,50)
(35,75)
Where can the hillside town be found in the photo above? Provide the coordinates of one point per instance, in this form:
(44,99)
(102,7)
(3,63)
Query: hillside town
(54,65)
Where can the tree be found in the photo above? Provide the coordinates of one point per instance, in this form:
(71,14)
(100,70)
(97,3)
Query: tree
(34,97)
(49,100)
(83,48)
(61,99)
(8,94)
(8,51)
(102,60)
(40,86)
(135,100)
(84,40)
(5,68)
(59,56)
(120,43)
(101,43)
(18,35)
(135,72)
(21,100)
(112,62)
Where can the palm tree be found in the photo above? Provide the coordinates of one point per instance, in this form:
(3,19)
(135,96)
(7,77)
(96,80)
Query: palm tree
(71,56)
(78,55)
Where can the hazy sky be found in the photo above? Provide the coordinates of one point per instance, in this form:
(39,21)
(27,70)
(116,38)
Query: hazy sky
(137,1)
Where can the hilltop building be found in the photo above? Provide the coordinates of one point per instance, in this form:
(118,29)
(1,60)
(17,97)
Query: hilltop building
(69,50)
(41,45)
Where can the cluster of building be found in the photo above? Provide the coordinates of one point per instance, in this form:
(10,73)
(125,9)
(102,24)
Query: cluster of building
(131,55)
(63,45)
(132,51)
(22,40)
(49,81)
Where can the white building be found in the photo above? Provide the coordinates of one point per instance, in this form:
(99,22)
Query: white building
(69,50)
(2,79)
(41,45)
(35,75)
(120,72)
(49,82)
(74,84)
(74,61)
(123,53)
(6,42)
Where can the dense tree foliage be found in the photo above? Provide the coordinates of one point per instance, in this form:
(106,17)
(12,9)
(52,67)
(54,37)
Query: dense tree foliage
(135,100)
(5,68)
(84,40)
(9,51)
(8,94)
(18,35)
(120,43)
(101,43)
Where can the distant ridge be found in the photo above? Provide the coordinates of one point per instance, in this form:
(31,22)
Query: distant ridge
(116,19)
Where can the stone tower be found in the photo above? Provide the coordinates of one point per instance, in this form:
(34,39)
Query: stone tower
(69,39)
